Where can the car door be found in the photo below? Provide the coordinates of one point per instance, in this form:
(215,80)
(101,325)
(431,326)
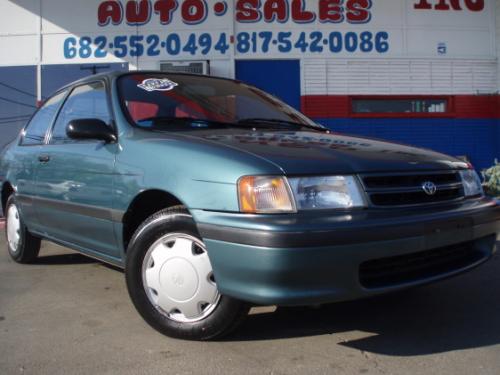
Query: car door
(26,158)
(75,182)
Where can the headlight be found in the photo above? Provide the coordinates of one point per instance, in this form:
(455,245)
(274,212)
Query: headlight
(327,192)
(263,194)
(471,183)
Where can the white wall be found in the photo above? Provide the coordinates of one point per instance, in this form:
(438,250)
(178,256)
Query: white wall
(470,65)
(498,41)
(399,76)
(19,32)
(413,63)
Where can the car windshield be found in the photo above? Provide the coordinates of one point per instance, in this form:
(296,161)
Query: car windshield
(181,102)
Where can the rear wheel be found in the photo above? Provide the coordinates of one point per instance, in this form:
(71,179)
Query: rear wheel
(23,247)
(171,281)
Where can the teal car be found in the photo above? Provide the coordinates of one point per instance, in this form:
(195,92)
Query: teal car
(215,196)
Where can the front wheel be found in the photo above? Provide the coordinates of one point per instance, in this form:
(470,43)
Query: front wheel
(171,281)
(23,247)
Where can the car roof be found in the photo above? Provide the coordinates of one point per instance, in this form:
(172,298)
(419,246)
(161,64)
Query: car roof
(110,76)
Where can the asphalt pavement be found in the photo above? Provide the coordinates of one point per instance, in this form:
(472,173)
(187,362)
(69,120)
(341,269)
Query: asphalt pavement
(69,314)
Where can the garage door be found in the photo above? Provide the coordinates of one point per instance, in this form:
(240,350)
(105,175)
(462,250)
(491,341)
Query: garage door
(278,77)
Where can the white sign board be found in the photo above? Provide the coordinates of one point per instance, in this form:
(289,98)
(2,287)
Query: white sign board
(75,31)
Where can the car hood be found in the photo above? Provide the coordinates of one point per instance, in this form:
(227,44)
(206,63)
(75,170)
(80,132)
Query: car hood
(310,152)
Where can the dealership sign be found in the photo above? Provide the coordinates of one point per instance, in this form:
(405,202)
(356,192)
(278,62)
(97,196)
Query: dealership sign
(140,12)
(152,30)
(458,5)
(263,38)
(195,11)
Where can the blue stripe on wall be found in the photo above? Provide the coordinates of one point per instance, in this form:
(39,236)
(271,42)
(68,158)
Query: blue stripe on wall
(17,100)
(57,76)
(479,139)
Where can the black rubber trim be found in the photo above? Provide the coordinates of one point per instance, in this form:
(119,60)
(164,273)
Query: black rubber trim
(353,235)
(74,208)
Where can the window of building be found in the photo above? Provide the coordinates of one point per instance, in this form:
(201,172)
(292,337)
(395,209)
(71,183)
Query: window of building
(400,106)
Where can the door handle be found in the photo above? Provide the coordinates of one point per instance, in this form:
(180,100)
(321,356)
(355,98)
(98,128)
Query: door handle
(43,158)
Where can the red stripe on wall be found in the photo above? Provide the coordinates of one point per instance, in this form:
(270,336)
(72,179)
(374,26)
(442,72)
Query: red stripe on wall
(460,106)
(326,106)
(477,106)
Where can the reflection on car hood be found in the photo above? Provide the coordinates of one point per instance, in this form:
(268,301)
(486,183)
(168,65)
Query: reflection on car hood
(309,152)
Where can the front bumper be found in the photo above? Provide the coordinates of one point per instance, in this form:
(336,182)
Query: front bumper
(316,257)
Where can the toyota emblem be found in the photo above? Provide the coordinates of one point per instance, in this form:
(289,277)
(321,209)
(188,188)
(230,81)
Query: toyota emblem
(429,187)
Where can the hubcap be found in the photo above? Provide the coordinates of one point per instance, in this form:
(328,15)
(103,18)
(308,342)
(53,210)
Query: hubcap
(13,228)
(178,278)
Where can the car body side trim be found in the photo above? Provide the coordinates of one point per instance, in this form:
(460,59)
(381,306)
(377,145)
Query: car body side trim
(75,208)
(99,256)
(452,227)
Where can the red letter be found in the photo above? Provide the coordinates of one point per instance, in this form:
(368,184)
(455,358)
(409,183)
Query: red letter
(138,13)
(423,4)
(455,4)
(475,5)
(299,14)
(194,11)
(358,11)
(331,11)
(109,11)
(442,5)
(165,8)
(247,11)
(276,10)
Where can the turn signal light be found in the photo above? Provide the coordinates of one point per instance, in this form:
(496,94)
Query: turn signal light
(264,194)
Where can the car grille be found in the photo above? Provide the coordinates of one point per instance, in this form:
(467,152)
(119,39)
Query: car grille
(406,189)
(401,269)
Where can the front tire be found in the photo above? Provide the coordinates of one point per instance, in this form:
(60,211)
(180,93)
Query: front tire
(23,247)
(171,283)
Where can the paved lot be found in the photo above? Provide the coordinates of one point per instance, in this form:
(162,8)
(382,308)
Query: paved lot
(71,315)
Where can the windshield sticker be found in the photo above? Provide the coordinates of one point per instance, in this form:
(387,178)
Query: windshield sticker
(157,84)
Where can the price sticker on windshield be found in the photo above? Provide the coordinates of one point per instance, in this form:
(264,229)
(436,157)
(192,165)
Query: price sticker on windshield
(157,84)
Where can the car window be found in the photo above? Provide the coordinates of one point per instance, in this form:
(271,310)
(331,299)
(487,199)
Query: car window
(154,101)
(41,121)
(85,102)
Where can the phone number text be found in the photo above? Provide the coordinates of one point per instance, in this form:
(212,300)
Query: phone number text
(312,42)
(258,42)
(145,45)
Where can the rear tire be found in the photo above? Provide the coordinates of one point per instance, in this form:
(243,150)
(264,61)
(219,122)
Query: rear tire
(23,247)
(171,283)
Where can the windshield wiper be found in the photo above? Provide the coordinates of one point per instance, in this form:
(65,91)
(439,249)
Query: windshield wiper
(191,121)
(273,121)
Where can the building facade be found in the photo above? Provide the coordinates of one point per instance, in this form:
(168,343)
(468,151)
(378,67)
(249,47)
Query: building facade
(423,72)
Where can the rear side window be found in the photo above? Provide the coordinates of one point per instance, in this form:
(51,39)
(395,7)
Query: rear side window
(41,121)
(85,102)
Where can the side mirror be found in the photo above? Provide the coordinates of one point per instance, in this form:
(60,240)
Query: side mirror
(90,129)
